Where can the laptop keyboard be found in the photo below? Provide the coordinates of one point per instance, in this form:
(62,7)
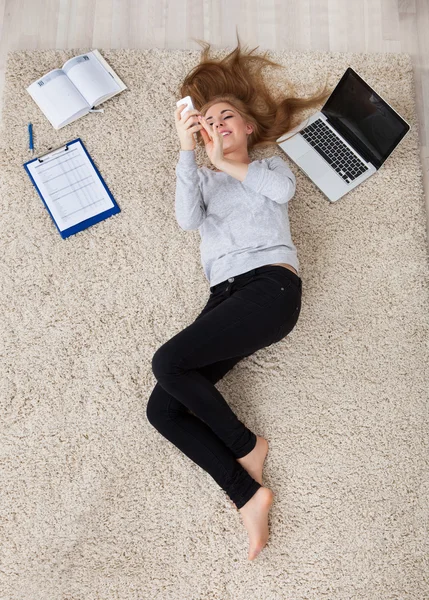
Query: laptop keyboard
(334,151)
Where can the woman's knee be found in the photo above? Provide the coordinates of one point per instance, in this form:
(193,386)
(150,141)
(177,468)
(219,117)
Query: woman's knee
(161,361)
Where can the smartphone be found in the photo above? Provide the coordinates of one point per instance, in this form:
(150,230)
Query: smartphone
(189,106)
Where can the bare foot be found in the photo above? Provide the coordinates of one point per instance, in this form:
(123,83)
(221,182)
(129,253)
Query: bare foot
(255,519)
(254,461)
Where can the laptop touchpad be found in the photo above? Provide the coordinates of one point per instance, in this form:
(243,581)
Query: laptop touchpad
(313,165)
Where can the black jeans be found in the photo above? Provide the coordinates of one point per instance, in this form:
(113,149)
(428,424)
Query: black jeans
(243,314)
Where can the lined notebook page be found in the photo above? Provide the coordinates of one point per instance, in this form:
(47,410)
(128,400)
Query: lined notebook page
(70,186)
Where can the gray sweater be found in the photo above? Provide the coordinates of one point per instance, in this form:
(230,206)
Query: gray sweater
(243,225)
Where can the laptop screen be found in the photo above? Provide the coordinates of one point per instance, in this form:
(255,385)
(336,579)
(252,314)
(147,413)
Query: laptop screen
(364,119)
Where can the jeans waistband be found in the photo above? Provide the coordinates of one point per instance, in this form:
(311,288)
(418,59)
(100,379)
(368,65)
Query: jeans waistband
(296,279)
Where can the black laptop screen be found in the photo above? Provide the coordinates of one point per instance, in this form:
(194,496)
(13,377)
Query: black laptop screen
(364,119)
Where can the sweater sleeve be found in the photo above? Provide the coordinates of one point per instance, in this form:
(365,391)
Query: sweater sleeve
(189,206)
(274,179)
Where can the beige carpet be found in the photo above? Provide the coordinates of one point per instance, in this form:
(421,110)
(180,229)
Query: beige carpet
(96,504)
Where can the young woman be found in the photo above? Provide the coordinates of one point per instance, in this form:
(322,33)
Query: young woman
(240,209)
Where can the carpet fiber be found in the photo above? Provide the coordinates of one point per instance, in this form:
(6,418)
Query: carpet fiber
(96,504)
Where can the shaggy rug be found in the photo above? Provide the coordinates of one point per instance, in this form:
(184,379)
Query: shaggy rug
(96,504)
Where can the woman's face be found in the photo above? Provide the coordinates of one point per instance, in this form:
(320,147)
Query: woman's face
(224,117)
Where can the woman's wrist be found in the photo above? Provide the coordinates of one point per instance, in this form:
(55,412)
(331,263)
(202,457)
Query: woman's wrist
(220,164)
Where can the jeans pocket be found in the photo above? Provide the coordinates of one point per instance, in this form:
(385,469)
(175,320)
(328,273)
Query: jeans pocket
(262,289)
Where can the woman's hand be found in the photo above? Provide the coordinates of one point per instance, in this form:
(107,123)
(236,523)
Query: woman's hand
(186,126)
(213,141)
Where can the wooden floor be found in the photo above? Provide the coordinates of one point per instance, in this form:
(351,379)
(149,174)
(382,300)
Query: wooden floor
(331,25)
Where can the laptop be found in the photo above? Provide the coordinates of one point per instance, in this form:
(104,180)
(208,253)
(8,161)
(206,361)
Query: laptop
(348,140)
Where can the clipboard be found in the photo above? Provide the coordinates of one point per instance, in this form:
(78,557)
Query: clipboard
(71,188)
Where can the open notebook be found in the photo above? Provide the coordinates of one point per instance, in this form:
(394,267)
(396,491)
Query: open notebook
(85,81)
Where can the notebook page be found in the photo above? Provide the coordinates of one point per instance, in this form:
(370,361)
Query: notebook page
(70,186)
(90,77)
(57,97)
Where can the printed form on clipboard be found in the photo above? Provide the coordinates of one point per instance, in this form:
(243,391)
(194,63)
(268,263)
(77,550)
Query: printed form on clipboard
(71,188)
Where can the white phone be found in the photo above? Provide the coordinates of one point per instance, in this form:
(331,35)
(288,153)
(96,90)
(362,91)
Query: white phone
(189,106)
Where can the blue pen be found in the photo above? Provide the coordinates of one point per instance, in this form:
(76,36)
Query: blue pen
(30,133)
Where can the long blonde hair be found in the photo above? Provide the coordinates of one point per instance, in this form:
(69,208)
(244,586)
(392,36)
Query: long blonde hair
(231,80)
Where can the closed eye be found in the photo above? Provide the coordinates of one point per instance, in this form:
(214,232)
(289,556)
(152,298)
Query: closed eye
(228,117)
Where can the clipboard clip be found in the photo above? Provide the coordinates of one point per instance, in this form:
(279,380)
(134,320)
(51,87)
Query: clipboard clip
(54,152)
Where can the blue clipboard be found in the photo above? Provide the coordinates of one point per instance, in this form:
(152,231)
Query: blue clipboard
(61,155)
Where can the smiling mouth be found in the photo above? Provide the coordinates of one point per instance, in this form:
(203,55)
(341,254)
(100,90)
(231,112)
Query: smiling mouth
(226,134)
